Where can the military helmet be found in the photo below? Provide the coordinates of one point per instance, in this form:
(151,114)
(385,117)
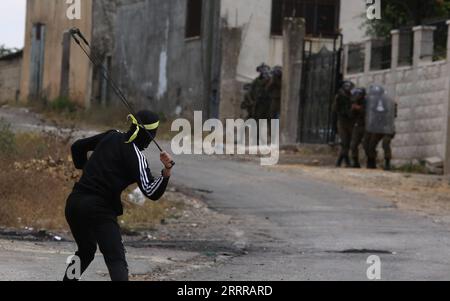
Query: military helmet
(376,90)
(277,71)
(264,70)
(348,86)
(359,92)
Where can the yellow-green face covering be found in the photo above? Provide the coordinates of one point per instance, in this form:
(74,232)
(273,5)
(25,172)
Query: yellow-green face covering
(149,127)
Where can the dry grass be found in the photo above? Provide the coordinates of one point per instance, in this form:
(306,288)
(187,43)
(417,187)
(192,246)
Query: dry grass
(64,113)
(32,201)
(425,194)
(33,192)
(36,177)
(151,214)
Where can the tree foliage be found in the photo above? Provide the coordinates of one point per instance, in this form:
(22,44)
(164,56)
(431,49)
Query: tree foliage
(5,50)
(400,13)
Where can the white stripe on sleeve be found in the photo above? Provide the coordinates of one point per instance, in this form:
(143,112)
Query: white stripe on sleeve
(149,188)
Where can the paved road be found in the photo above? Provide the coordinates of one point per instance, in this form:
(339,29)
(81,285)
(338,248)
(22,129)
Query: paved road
(292,227)
(296,228)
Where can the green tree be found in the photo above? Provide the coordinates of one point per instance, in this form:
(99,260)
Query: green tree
(5,50)
(399,13)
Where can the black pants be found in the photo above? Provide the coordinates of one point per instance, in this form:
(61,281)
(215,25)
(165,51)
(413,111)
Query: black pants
(92,223)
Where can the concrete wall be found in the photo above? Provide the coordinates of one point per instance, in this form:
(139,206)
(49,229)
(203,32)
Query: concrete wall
(157,67)
(152,61)
(258,45)
(170,74)
(10,78)
(104,13)
(53,14)
(231,95)
(254,17)
(353,16)
(422,92)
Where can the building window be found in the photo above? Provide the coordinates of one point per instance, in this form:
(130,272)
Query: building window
(194,18)
(322,16)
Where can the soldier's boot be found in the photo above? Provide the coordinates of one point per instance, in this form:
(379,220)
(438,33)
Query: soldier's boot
(347,162)
(371,164)
(387,165)
(356,163)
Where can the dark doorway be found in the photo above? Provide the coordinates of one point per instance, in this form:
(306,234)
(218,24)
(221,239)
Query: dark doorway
(37,60)
(65,66)
(194,18)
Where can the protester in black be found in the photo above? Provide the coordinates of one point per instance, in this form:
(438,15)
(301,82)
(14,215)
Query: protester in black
(94,205)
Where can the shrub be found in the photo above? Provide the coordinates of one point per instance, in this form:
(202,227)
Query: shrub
(7,139)
(62,104)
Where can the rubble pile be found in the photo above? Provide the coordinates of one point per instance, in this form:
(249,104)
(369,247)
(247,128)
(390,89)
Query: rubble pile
(56,168)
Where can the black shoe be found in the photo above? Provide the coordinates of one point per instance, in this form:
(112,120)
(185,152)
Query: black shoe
(339,162)
(387,165)
(356,164)
(371,164)
(347,162)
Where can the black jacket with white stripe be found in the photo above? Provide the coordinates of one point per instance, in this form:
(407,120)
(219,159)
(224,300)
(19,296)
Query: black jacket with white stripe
(112,167)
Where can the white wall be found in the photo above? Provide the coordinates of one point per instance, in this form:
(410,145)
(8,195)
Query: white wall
(254,16)
(353,14)
(258,46)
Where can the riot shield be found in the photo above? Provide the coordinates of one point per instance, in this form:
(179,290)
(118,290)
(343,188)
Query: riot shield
(380,112)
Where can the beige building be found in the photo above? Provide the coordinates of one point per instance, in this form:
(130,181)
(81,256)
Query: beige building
(50,61)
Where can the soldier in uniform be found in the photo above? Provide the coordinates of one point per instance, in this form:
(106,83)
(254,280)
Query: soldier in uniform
(372,142)
(380,124)
(260,93)
(255,99)
(248,105)
(387,141)
(275,87)
(359,129)
(387,145)
(342,107)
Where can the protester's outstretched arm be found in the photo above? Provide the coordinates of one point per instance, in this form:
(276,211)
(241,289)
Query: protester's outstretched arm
(153,188)
(82,147)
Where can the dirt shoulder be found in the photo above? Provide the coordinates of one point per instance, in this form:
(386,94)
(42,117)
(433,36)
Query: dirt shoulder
(190,237)
(424,194)
(418,192)
(171,236)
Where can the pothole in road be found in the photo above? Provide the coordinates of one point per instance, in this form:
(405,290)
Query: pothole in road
(364,251)
(206,191)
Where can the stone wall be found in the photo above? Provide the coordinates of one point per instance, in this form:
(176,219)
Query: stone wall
(421,95)
(10,67)
(422,92)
